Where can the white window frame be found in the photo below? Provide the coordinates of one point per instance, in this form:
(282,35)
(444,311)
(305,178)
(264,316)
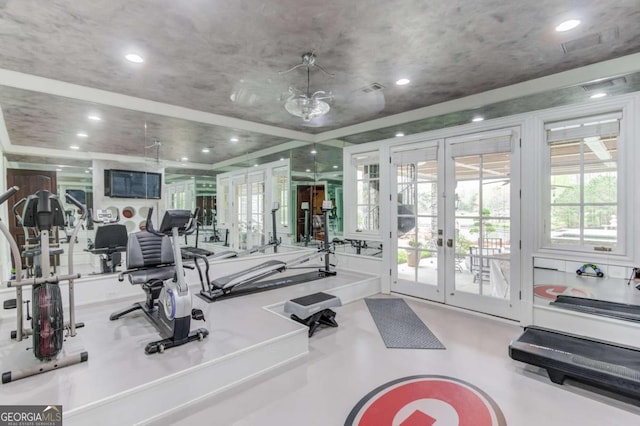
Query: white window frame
(282,195)
(223,201)
(353,157)
(627,249)
(558,132)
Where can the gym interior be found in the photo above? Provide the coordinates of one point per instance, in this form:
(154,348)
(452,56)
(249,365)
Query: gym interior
(250,213)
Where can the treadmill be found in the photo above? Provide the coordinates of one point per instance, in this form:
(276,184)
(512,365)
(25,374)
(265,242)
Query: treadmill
(599,363)
(621,311)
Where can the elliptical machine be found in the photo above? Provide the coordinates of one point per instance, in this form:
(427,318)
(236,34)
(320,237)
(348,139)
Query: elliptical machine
(155,262)
(43,211)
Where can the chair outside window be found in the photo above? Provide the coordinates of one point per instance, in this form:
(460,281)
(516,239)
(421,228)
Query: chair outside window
(478,265)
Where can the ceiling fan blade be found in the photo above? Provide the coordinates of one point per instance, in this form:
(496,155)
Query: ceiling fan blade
(256,91)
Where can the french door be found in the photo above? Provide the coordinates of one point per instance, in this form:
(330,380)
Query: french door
(417,236)
(456,209)
(248,210)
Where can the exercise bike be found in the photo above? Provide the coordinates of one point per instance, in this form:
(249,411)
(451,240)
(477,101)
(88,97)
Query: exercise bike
(43,211)
(154,261)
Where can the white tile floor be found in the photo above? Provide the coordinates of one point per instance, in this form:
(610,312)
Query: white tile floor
(346,363)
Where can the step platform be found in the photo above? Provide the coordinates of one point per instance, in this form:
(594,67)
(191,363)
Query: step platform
(313,310)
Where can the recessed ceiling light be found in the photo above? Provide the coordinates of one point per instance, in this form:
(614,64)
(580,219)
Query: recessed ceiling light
(567,25)
(282,159)
(255,165)
(399,135)
(94,117)
(82,135)
(234,140)
(74,147)
(58,170)
(403,81)
(477,119)
(598,95)
(205,150)
(86,171)
(308,170)
(184,159)
(134,57)
(314,152)
(90,168)
(335,167)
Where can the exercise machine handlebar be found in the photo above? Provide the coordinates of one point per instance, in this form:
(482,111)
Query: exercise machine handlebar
(15,208)
(8,194)
(78,204)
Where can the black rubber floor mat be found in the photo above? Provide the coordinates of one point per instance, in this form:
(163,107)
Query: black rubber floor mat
(399,326)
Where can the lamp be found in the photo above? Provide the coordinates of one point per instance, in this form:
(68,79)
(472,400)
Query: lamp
(305,104)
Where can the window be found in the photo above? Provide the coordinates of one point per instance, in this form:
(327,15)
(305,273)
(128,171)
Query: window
(257,209)
(223,201)
(281,195)
(583,184)
(367,192)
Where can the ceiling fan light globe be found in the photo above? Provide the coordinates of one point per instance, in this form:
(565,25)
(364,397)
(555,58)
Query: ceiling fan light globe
(305,107)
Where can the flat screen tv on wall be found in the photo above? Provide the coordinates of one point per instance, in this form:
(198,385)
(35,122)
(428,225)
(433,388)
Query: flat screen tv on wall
(132,184)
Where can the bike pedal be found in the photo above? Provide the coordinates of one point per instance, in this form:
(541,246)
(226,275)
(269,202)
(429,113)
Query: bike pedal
(197,315)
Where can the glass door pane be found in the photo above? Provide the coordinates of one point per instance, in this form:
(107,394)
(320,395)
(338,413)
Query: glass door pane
(483,225)
(482,210)
(416,216)
(241,214)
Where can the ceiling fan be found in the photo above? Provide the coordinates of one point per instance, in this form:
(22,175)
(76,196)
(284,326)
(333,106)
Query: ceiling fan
(303,103)
(345,94)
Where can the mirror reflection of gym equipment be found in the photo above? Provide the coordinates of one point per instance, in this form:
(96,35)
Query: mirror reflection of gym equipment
(110,240)
(251,280)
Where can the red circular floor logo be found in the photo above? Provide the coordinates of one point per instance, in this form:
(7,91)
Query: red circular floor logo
(426,401)
(551,292)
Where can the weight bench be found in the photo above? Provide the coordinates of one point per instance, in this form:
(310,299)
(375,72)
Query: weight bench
(313,310)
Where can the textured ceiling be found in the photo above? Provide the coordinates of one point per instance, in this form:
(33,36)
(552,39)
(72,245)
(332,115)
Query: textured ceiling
(224,57)
(45,121)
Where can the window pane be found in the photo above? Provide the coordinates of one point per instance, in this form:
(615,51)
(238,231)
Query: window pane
(601,187)
(565,224)
(367,218)
(568,152)
(600,217)
(427,198)
(361,193)
(596,148)
(565,188)
(428,170)
(428,232)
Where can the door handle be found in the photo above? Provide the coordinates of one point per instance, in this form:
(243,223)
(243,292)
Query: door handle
(449,242)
